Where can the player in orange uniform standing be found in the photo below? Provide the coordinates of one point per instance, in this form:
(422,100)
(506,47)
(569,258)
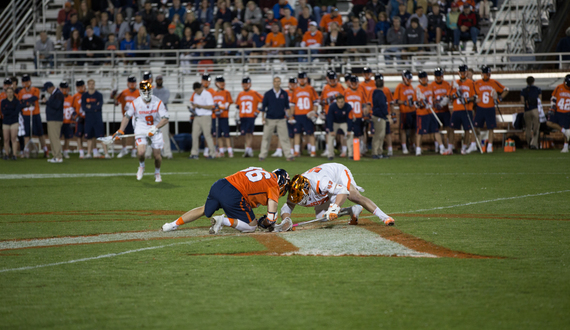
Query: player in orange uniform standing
(247,102)
(390,100)
(220,122)
(79,115)
(463,96)
(357,98)
(128,95)
(489,93)
(304,106)
(328,96)
(441,91)
(312,39)
(238,194)
(29,98)
(405,97)
(67,129)
(426,120)
(560,104)
(368,84)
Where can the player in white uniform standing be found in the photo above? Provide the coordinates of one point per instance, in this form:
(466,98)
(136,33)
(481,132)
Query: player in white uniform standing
(150,115)
(326,187)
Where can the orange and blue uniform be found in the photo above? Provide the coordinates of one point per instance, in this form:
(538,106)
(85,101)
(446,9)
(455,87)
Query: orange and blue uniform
(247,102)
(406,93)
(369,86)
(425,121)
(304,99)
(357,99)
(29,99)
(441,91)
(462,109)
(79,114)
(328,95)
(223,99)
(66,129)
(239,193)
(485,102)
(561,97)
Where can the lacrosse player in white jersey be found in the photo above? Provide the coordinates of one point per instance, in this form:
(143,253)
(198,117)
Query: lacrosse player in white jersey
(326,188)
(150,115)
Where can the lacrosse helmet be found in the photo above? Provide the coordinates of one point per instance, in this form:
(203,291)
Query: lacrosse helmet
(146,90)
(331,75)
(292,80)
(567,80)
(366,70)
(298,189)
(220,79)
(379,76)
(463,71)
(282,181)
(63,84)
(438,72)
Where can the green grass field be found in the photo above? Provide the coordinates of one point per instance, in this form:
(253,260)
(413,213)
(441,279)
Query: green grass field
(511,207)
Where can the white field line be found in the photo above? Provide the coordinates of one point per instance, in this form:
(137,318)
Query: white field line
(79,175)
(103,256)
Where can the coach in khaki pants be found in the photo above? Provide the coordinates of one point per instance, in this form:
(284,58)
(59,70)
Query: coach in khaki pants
(274,116)
(379,118)
(54,116)
(202,103)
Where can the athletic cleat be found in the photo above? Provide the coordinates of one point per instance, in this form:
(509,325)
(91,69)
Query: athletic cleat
(297,154)
(216,222)
(418,152)
(169,226)
(123,153)
(66,154)
(325,154)
(140,173)
(343,155)
(354,214)
(564,150)
(87,156)
(107,156)
(471,149)
(390,152)
(389,221)
(157,177)
(231,154)
(405,151)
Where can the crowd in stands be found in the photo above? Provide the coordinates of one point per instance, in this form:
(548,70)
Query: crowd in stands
(127,25)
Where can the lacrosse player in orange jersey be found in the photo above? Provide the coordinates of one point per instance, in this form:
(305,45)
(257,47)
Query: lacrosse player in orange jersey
(357,98)
(426,121)
(328,97)
(248,104)
(463,96)
(128,95)
(441,91)
(220,122)
(303,103)
(67,129)
(29,97)
(405,96)
(489,93)
(560,105)
(238,194)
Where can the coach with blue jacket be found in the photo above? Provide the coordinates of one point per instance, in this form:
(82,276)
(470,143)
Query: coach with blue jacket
(274,117)
(379,119)
(54,117)
(337,119)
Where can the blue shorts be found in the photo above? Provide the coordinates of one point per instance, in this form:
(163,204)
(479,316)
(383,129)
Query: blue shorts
(129,129)
(485,115)
(94,126)
(355,126)
(247,125)
(224,196)
(408,120)
(459,119)
(445,118)
(304,124)
(224,129)
(427,124)
(291,129)
(561,118)
(67,131)
(80,129)
(37,127)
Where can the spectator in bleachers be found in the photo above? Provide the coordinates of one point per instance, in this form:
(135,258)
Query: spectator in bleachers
(467,27)
(129,8)
(148,14)
(85,14)
(229,39)
(485,10)
(73,24)
(121,27)
(396,36)
(205,13)
(92,42)
(177,8)
(358,6)
(403,14)
(223,15)
(112,45)
(10,110)
(126,46)
(279,9)
(170,41)
(356,37)
(107,27)
(275,39)
(253,15)
(73,44)
(179,31)
(137,23)
(258,39)
(304,19)
(323,7)
(245,39)
(451,22)
(43,48)
(529,97)
(335,38)
(422,19)
(63,16)
(142,42)
(299,6)
(92,106)
(293,38)
(312,39)
(564,47)
(436,24)
(239,13)
(414,35)
(395,7)
(192,22)
(288,20)
(327,19)
(376,6)
(269,21)
(199,43)
(158,29)
(381,28)
(369,25)
(186,43)
(95,25)
(210,41)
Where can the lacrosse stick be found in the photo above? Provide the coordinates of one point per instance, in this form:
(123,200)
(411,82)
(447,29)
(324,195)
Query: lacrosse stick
(323,219)
(107,140)
(422,97)
(495,97)
(462,99)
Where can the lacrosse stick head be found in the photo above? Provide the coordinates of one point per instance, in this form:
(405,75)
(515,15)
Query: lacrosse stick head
(299,189)
(107,140)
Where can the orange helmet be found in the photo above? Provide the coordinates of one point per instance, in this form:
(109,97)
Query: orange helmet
(146,90)
(298,189)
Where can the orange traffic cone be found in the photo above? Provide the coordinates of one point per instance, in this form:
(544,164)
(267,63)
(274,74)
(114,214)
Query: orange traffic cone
(356,148)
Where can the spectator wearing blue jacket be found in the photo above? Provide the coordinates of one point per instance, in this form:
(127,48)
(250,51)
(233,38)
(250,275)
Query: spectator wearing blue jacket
(279,7)
(92,105)
(54,117)
(205,13)
(337,119)
(177,9)
(381,28)
(73,24)
(379,119)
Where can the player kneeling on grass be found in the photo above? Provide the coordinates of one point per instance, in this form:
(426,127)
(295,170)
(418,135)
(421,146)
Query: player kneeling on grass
(150,115)
(326,187)
(237,195)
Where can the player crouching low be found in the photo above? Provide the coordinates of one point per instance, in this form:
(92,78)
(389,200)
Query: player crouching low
(150,115)
(326,188)
(237,195)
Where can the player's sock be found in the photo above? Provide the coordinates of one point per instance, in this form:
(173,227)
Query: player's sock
(563,130)
(157,170)
(26,150)
(179,222)
(222,150)
(390,149)
(206,151)
(141,164)
(244,227)
(380,214)
(292,152)
(46,149)
(473,144)
(81,153)
(313,148)
(226,222)
(436,146)
(297,148)
(450,146)
(344,148)
(230,150)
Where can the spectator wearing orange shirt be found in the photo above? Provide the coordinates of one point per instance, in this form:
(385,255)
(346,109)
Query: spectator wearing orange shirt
(288,20)
(313,39)
(327,19)
(275,39)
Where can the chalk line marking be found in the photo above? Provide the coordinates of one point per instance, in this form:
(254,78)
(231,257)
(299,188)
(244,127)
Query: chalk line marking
(80,175)
(103,256)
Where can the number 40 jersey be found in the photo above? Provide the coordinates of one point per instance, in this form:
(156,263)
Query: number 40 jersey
(145,114)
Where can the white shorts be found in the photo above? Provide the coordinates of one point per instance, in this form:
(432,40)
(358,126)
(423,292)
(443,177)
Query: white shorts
(156,141)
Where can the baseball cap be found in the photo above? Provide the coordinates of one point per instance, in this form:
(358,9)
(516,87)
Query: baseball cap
(7,81)
(63,84)
(47,85)
(172,26)
(313,23)
(26,77)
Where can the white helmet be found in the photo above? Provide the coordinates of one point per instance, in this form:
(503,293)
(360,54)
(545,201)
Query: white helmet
(146,90)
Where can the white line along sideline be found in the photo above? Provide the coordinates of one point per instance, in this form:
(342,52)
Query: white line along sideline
(79,175)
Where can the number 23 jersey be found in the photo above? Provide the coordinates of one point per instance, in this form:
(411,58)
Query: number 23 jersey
(145,114)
